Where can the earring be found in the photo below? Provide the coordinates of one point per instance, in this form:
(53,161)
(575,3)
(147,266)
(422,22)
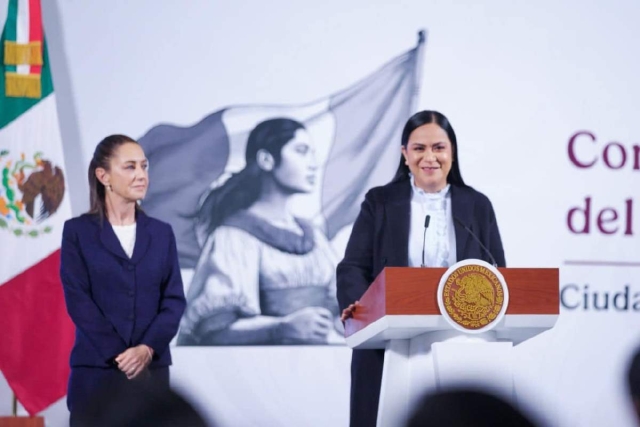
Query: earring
(109,187)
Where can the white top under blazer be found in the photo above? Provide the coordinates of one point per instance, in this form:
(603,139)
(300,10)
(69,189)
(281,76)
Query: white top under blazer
(440,241)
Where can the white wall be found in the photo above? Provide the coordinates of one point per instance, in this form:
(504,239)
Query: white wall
(516,78)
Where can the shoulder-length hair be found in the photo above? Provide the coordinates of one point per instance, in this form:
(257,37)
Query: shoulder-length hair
(242,189)
(420,119)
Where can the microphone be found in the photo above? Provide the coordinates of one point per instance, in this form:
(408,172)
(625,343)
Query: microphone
(493,260)
(424,236)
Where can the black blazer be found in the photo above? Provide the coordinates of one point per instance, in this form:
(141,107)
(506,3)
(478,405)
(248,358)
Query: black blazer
(116,302)
(380,238)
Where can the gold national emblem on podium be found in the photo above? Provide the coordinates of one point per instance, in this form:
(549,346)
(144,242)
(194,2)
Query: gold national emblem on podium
(472,295)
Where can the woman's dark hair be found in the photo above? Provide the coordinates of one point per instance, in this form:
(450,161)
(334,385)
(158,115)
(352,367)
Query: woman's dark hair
(420,119)
(243,188)
(101,158)
(468,407)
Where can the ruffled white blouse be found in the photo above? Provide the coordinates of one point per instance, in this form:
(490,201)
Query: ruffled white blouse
(440,240)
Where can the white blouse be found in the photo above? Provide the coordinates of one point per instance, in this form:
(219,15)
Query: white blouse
(440,241)
(127,236)
(240,275)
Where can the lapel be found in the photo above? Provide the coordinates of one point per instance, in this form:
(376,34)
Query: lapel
(397,217)
(110,240)
(143,238)
(462,211)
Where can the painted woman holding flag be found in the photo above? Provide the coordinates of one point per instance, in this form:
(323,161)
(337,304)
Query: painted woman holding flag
(264,275)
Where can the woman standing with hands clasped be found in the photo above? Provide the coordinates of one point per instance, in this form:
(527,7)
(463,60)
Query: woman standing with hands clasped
(121,279)
(389,232)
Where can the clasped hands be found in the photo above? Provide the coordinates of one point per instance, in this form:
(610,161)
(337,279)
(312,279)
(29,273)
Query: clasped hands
(133,361)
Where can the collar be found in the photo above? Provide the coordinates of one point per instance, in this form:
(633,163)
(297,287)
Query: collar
(418,193)
(279,238)
(111,242)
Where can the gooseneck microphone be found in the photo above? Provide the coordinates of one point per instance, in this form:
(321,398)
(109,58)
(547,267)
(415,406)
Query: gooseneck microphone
(493,260)
(424,236)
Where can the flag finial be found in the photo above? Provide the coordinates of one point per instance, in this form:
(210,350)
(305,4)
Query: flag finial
(422,36)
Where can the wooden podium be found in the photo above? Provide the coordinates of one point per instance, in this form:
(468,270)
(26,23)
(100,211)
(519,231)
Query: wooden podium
(21,422)
(400,313)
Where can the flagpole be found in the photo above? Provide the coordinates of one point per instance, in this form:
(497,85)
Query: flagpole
(417,69)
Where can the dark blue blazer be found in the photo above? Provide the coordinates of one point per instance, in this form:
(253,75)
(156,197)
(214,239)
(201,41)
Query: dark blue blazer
(380,238)
(116,302)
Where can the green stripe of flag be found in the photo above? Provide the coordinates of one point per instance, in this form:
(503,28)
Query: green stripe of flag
(11,27)
(11,108)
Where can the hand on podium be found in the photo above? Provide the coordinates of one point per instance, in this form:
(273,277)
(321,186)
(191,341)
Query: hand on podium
(348,312)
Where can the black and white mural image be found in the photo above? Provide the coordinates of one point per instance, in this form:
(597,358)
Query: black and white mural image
(264,275)
(262,198)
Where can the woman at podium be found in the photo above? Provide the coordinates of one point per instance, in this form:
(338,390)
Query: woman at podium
(426,216)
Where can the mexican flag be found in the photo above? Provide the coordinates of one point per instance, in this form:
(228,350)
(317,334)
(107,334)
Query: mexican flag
(36,333)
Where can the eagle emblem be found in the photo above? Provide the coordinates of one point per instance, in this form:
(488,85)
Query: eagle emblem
(31,191)
(473,296)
